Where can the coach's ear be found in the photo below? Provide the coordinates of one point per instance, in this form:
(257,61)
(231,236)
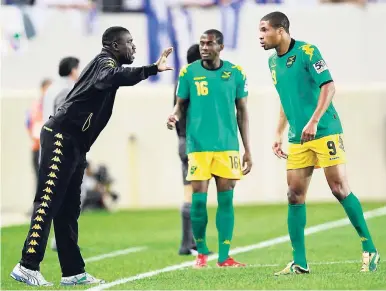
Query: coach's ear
(221,47)
(115,46)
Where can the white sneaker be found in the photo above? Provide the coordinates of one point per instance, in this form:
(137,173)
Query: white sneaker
(30,277)
(80,279)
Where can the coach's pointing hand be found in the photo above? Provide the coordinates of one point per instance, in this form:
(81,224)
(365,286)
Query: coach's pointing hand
(161,63)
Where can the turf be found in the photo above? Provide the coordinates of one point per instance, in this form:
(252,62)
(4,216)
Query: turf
(159,231)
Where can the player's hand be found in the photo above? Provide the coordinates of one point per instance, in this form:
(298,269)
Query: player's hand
(161,63)
(247,163)
(277,149)
(309,131)
(171,123)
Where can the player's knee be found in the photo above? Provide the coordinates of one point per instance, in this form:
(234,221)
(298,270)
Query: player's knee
(339,189)
(199,186)
(295,196)
(224,185)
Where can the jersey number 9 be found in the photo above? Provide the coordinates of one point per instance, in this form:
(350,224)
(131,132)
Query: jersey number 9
(202,88)
(273,73)
(331,146)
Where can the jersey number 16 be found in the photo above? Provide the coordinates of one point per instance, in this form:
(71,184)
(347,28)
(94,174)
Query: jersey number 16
(202,88)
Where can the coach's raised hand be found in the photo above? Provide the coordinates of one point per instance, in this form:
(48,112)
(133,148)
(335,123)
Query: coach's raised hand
(161,63)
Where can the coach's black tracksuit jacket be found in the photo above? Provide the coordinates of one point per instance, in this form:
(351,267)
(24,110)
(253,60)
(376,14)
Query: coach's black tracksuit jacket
(88,106)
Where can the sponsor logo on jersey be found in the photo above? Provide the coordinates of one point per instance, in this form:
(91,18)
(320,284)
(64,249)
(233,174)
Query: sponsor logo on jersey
(272,62)
(341,145)
(290,61)
(320,66)
(199,78)
(308,50)
(226,75)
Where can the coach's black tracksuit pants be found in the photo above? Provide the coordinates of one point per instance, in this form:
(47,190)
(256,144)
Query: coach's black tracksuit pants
(57,198)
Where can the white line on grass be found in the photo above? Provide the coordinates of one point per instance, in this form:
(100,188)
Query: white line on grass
(278,265)
(310,230)
(115,254)
(311,264)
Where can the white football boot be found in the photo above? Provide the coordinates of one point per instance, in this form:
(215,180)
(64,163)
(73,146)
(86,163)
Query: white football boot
(29,277)
(80,279)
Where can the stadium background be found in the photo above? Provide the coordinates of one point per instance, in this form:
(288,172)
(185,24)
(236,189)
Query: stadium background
(136,146)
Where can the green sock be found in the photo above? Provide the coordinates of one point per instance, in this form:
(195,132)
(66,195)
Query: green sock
(296,225)
(225,221)
(199,218)
(354,211)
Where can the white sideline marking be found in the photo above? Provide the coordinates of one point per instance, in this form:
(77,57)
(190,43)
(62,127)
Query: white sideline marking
(115,254)
(310,263)
(310,230)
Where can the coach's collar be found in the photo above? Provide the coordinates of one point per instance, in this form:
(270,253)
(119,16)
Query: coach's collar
(111,55)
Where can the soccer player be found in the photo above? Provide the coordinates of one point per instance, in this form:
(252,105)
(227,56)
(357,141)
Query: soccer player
(188,245)
(65,139)
(215,88)
(306,89)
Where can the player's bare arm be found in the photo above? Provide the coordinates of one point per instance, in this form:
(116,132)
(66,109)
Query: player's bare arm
(179,110)
(243,122)
(327,92)
(281,126)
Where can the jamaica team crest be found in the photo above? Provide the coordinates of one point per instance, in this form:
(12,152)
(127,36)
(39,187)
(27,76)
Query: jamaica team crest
(290,61)
(226,75)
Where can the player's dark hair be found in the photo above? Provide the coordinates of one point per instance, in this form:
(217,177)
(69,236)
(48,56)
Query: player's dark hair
(193,53)
(218,34)
(277,19)
(45,82)
(113,34)
(66,65)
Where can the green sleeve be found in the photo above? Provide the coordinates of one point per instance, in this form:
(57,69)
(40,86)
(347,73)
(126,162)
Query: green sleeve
(183,84)
(316,65)
(242,85)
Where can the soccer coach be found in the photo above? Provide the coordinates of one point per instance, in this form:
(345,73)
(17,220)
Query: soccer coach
(65,139)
